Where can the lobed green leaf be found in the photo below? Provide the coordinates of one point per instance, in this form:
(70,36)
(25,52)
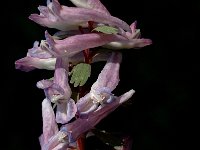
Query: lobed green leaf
(80,74)
(106,29)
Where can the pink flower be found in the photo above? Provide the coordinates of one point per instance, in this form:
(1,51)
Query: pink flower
(69,47)
(66,18)
(50,127)
(80,126)
(58,91)
(39,57)
(92,4)
(52,138)
(100,93)
(133,40)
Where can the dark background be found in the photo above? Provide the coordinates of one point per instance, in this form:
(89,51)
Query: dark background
(159,118)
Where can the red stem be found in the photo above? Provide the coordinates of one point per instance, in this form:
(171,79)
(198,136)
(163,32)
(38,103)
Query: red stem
(90,25)
(81,143)
(88,59)
(86,52)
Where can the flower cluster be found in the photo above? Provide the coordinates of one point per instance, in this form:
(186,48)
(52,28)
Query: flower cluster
(78,41)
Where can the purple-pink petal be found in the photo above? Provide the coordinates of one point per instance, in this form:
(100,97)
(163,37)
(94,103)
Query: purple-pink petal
(61,75)
(65,111)
(59,89)
(129,44)
(68,18)
(133,26)
(55,93)
(80,126)
(64,34)
(56,140)
(43,84)
(107,81)
(84,103)
(70,47)
(62,146)
(109,76)
(39,51)
(92,4)
(37,57)
(49,124)
(30,63)
(71,109)
(104,110)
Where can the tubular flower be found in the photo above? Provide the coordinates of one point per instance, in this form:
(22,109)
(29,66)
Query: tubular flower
(69,47)
(50,127)
(66,18)
(30,63)
(92,4)
(133,40)
(52,138)
(59,92)
(81,125)
(100,92)
(39,57)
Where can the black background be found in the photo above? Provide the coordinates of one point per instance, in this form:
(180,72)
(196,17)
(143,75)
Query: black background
(159,118)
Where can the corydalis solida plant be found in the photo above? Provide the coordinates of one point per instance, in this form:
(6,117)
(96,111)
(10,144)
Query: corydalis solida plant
(87,33)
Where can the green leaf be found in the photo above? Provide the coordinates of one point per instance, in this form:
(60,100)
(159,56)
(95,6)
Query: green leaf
(106,29)
(107,138)
(80,74)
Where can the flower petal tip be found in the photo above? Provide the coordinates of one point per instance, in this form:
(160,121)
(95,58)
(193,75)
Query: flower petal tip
(22,64)
(50,42)
(36,18)
(148,41)
(132,92)
(126,96)
(133,26)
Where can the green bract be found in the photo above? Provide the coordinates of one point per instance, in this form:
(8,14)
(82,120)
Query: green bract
(80,74)
(106,29)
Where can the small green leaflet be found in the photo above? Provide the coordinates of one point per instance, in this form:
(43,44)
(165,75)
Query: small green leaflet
(106,29)
(80,74)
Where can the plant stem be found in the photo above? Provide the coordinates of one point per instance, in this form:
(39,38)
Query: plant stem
(81,142)
(88,59)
